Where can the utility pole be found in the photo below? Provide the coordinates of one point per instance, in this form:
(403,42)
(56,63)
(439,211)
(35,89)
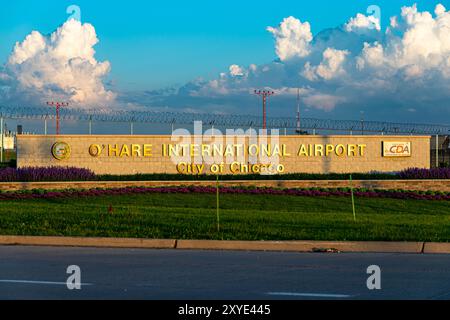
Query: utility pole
(58,106)
(437,151)
(299,124)
(90,125)
(265,95)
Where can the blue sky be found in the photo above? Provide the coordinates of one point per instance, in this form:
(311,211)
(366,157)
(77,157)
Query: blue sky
(211,55)
(154,44)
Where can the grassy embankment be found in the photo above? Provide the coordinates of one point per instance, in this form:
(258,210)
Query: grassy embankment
(243,217)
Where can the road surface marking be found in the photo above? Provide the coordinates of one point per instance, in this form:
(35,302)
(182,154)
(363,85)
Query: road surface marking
(40,282)
(310,295)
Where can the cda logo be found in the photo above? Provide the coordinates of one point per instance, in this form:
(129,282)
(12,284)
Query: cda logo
(61,151)
(396,149)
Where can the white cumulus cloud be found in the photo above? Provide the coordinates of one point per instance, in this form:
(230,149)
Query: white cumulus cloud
(292,38)
(354,67)
(59,66)
(329,68)
(362,22)
(236,71)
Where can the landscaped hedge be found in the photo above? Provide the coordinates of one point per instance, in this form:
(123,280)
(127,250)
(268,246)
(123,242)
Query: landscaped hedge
(77,174)
(311,192)
(45,174)
(293,176)
(435,173)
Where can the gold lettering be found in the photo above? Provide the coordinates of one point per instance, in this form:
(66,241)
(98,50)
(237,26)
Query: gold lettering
(95,150)
(174,151)
(181,167)
(206,150)
(362,148)
(351,150)
(148,150)
(255,168)
(285,152)
(200,168)
(184,149)
(340,150)
(229,151)
(239,149)
(125,151)
(329,149)
(136,150)
(113,150)
(266,150)
(234,168)
(253,150)
(194,150)
(276,151)
(318,150)
(303,151)
(218,150)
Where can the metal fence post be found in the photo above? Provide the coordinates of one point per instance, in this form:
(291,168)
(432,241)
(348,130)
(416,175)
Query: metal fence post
(437,151)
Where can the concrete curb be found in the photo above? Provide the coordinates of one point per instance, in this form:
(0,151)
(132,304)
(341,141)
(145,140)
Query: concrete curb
(303,246)
(434,247)
(88,242)
(286,246)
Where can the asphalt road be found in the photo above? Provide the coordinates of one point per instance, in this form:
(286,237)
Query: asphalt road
(40,273)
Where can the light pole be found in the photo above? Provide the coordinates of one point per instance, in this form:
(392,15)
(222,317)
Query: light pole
(58,106)
(265,95)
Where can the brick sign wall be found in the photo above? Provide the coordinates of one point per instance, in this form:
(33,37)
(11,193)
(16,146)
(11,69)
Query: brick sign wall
(238,155)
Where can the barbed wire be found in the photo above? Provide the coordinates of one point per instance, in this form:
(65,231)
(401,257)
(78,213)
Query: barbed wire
(219,120)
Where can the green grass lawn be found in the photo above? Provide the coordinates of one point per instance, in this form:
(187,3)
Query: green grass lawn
(243,217)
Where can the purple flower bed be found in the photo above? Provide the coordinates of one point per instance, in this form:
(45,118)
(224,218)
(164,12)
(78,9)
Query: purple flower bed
(45,174)
(42,194)
(50,174)
(415,173)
